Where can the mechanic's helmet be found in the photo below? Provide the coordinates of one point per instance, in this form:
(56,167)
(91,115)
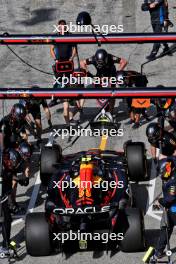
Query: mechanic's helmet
(167,168)
(23,102)
(18,112)
(25,150)
(101,58)
(164,103)
(11,159)
(153,132)
(83,18)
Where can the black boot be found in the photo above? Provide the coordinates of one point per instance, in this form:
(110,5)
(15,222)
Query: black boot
(152,56)
(166,51)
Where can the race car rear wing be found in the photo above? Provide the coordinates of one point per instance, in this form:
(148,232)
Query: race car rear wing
(88,210)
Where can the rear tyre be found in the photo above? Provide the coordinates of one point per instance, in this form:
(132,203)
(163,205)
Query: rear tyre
(49,157)
(136,161)
(37,235)
(133,240)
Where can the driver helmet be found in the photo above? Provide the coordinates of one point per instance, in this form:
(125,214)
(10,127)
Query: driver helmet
(167,168)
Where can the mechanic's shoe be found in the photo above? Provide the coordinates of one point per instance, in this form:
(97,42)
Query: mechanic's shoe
(136,126)
(17,210)
(130,122)
(4,252)
(166,51)
(170,24)
(74,122)
(53,102)
(50,124)
(152,56)
(159,254)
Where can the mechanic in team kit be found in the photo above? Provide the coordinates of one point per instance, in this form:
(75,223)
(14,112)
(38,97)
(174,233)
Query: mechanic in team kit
(159,17)
(14,135)
(33,107)
(168,201)
(105,66)
(21,174)
(65,52)
(15,166)
(171,118)
(160,139)
(11,159)
(13,127)
(166,111)
(104,63)
(135,79)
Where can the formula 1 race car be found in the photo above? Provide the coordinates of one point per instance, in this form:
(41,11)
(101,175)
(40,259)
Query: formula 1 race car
(88,192)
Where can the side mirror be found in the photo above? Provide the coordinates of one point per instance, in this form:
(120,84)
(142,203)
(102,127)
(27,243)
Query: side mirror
(83,18)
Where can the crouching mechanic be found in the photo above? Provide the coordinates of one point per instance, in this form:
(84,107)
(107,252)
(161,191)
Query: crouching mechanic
(168,201)
(11,159)
(21,174)
(32,107)
(13,127)
(162,140)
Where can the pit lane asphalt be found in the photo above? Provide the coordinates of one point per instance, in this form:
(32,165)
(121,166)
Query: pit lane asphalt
(39,16)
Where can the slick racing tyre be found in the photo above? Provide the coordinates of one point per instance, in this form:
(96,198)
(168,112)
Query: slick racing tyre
(133,240)
(136,161)
(37,235)
(49,157)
